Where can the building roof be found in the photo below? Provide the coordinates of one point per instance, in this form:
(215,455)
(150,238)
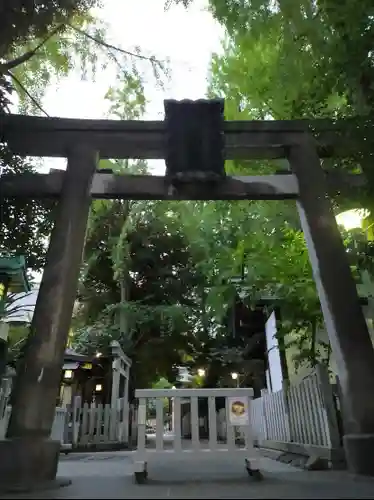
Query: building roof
(15,268)
(71,355)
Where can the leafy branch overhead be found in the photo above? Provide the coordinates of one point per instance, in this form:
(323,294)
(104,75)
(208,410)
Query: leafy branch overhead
(62,36)
(97,36)
(33,62)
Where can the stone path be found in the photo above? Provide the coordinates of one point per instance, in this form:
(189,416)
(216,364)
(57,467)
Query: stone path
(109,475)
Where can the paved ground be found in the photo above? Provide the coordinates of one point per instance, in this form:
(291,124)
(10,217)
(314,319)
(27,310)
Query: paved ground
(109,475)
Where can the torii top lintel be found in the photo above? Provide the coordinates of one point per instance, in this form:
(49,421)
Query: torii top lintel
(55,137)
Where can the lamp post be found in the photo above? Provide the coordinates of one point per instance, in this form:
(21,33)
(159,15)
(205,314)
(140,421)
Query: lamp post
(201,372)
(235,376)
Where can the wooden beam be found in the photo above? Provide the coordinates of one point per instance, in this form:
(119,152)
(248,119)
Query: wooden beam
(54,137)
(142,187)
(149,187)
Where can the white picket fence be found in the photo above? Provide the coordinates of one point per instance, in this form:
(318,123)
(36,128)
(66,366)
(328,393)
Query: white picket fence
(94,424)
(84,426)
(164,445)
(300,418)
(58,426)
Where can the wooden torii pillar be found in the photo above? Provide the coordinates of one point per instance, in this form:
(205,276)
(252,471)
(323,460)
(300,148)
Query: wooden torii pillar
(194,140)
(343,315)
(28,455)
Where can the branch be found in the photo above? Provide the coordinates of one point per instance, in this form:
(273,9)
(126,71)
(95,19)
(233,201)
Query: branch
(29,54)
(151,59)
(24,89)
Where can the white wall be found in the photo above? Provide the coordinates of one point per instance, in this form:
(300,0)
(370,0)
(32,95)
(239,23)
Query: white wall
(274,359)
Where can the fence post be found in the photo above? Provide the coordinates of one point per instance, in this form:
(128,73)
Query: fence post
(76,419)
(125,419)
(264,393)
(285,393)
(3,397)
(328,405)
(67,434)
(134,424)
(341,414)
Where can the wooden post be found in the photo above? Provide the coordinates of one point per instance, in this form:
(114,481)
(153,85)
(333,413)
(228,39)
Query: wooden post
(285,395)
(28,456)
(121,366)
(344,319)
(264,393)
(329,406)
(127,380)
(115,382)
(126,409)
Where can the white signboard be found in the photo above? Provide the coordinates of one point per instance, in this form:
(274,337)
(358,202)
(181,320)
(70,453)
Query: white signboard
(274,359)
(238,410)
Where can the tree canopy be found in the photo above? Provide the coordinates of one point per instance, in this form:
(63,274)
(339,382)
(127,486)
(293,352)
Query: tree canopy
(290,60)
(40,43)
(31,48)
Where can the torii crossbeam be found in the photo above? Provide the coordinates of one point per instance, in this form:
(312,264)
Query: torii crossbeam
(57,137)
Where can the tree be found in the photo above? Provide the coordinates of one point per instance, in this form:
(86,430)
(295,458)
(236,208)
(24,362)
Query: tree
(297,60)
(34,44)
(138,273)
(157,324)
(257,242)
(300,60)
(49,40)
(25,227)
(36,19)
(327,40)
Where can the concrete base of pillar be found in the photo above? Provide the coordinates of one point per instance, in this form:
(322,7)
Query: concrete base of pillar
(359,450)
(29,464)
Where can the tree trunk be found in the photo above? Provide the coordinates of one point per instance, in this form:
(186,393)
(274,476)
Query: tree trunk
(123,324)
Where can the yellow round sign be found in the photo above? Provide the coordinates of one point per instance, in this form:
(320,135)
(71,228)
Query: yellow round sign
(238,408)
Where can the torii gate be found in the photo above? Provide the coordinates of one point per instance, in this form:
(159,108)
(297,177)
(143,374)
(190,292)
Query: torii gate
(194,139)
